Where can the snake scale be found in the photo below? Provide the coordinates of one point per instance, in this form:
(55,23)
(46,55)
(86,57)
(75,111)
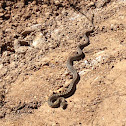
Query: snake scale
(57,100)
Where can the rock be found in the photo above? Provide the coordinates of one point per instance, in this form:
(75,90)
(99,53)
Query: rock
(16,44)
(36,26)
(31,29)
(84,72)
(91,4)
(18,48)
(1,10)
(13,65)
(3,71)
(22,50)
(57,2)
(38,41)
(19,5)
(40,20)
(27,31)
(1,14)
(101,3)
(7,16)
(1,21)
(2,114)
(113,27)
(1,66)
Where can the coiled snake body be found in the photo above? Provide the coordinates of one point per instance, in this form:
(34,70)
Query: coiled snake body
(56,100)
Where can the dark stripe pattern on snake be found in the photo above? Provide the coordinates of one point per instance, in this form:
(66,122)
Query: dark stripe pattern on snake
(57,100)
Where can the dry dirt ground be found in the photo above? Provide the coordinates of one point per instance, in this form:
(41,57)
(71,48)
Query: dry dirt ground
(36,39)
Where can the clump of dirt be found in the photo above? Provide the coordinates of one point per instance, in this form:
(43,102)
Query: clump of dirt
(37,37)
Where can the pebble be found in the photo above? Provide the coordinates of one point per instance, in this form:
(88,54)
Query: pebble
(3,71)
(7,16)
(1,66)
(13,65)
(27,31)
(83,72)
(38,41)
(91,4)
(57,2)
(31,29)
(113,27)
(101,3)
(18,48)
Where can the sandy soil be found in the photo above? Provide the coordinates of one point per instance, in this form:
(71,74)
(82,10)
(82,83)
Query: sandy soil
(36,39)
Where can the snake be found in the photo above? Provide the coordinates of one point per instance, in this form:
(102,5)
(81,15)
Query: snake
(58,99)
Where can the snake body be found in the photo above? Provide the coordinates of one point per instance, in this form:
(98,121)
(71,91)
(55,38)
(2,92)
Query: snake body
(56,100)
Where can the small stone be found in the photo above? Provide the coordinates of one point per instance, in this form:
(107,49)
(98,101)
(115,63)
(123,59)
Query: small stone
(57,2)
(31,29)
(2,114)
(44,6)
(16,44)
(7,16)
(1,66)
(40,20)
(19,29)
(1,10)
(3,72)
(104,29)
(1,21)
(13,65)
(18,48)
(8,8)
(101,3)
(1,14)
(113,27)
(34,2)
(38,41)
(36,26)
(91,4)
(19,4)
(27,31)
(83,72)
(22,50)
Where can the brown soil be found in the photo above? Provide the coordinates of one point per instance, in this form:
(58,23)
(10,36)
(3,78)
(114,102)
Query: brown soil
(36,39)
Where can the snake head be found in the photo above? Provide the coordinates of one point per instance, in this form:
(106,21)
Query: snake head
(56,101)
(63,104)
